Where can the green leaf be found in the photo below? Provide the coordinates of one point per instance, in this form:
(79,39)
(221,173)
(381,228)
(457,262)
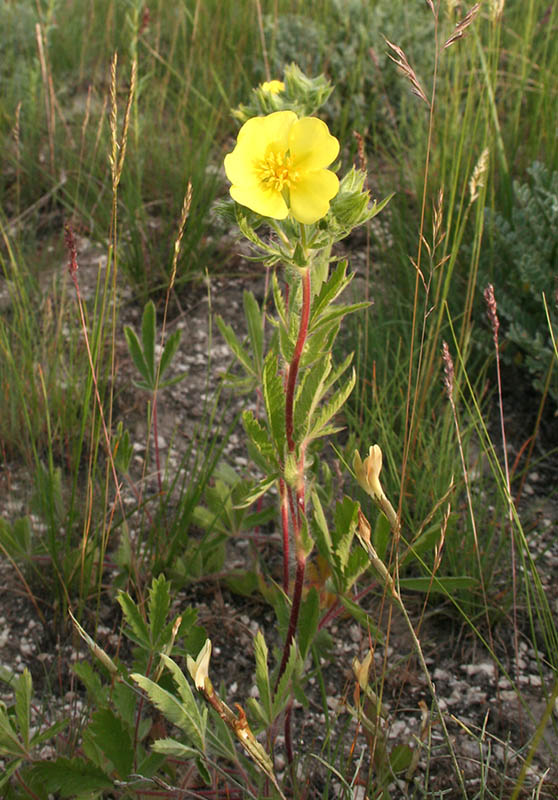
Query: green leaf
(400,758)
(113,739)
(67,777)
(158,606)
(148,334)
(309,394)
(262,678)
(136,353)
(256,492)
(346,520)
(320,427)
(135,620)
(274,398)
(48,733)
(381,536)
(185,717)
(170,747)
(433,584)
(330,291)
(308,621)
(231,339)
(23,690)
(171,346)
(122,449)
(258,435)
(253,316)
(10,743)
(283,692)
(279,300)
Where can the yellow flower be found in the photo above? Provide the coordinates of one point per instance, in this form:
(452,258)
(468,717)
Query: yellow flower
(199,669)
(279,166)
(273,87)
(368,471)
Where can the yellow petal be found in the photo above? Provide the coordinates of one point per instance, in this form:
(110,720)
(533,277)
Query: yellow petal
(273,87)
(311,194)
(262,201)
(311,145)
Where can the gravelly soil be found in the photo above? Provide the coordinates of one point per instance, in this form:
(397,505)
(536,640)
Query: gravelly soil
(482,711)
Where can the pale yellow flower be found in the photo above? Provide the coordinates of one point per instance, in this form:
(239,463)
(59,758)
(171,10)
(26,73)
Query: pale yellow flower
(279,167)
(199,669)
(367,472)
(272,87)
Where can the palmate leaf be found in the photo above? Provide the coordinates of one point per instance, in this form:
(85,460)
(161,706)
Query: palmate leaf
(113,739)
(184,715)
(68,777)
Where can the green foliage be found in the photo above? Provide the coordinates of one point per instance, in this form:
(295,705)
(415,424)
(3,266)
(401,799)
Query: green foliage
(143,353)
(114,737)
(520,258)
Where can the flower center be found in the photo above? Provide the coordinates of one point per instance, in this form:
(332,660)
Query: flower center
(276,171)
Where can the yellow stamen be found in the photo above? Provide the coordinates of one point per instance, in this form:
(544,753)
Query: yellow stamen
(276,172)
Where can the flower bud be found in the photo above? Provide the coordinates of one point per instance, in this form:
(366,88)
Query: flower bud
(368,471)
(199,669)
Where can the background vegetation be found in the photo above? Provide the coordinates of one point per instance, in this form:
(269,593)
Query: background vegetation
(114,119)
